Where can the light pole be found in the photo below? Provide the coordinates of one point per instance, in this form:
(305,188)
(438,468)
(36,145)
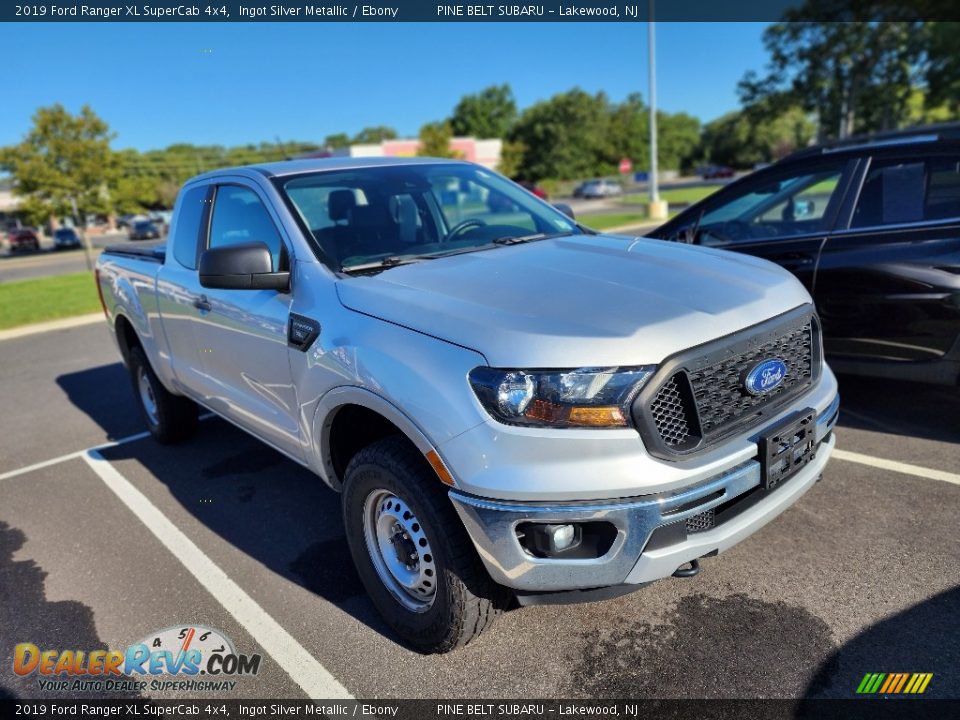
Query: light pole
(658,208)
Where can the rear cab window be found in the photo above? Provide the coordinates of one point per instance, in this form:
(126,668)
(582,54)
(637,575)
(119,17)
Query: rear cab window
(186,230)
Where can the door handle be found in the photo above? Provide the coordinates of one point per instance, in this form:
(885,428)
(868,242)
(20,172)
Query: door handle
(795,258)
(202,304)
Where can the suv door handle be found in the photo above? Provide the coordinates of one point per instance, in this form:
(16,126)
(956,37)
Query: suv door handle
(794,258)
(202,304)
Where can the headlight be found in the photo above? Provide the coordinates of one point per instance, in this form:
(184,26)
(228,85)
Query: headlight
(587,397)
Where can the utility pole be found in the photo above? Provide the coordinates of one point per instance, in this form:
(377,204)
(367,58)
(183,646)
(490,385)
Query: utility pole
(658,208)
(82,227)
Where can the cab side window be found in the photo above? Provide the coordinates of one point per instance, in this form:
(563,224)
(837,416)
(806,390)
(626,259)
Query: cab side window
(186,229)
(898,191)
(239,217)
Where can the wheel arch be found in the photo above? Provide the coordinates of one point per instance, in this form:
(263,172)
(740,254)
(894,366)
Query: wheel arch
(350,418)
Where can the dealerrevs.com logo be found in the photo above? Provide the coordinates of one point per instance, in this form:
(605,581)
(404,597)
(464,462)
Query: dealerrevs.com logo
(171,659)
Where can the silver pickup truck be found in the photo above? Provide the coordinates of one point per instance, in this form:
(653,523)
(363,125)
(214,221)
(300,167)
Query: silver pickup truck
(513,407)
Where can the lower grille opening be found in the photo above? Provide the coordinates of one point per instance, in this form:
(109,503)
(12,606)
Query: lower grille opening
(701,522)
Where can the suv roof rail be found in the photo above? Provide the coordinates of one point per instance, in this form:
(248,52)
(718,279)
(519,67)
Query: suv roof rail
(903,136)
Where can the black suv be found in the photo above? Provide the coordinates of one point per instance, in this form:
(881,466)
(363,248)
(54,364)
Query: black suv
(872,227)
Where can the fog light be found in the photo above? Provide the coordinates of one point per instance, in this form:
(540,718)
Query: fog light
(561,536)
(549,540)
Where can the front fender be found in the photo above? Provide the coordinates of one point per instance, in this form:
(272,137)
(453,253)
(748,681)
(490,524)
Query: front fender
(353,395)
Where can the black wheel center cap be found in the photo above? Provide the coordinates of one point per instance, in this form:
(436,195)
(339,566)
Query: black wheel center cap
(404,548)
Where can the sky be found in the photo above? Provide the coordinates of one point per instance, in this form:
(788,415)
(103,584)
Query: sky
(230,84)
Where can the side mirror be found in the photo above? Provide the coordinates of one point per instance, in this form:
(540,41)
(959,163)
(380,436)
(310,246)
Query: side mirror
(566,210)
(686,235)
(803,209)
(248,266)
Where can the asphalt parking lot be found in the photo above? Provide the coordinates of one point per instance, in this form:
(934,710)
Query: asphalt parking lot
(862,575)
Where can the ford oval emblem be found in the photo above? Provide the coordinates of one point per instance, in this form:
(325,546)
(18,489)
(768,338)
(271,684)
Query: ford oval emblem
(765,376)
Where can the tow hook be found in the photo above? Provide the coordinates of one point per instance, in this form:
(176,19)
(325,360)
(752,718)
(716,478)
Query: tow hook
(689,572)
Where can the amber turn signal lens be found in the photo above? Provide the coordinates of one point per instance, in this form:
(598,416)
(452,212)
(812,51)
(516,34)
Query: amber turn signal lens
(605,416)
(440,469)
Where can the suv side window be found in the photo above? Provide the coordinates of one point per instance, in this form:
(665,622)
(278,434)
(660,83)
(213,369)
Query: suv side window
(899,191)
(186,231)
(776,207)
(240,217)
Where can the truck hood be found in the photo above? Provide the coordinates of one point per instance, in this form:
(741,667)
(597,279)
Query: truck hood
(578,301)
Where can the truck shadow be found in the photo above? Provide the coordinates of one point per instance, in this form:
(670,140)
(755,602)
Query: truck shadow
(26,616)
(921,639)
(930,412)
(105,395)
(265,505)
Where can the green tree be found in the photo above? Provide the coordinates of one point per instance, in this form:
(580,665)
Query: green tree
(131,191)
(511,158)
(374,135)
(63,165)
(337,140)
(678,139)
(435,140)
(566,137)
(489,113)
(857,72)
(630,133)
(943,70)
(743,138)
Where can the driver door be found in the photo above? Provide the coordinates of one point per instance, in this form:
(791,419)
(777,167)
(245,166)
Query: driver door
(780,216)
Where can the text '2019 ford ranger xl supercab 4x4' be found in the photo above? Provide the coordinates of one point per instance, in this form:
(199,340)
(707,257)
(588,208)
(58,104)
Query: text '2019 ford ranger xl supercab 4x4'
(511,405)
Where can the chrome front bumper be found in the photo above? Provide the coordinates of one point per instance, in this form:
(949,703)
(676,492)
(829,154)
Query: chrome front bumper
(493,526)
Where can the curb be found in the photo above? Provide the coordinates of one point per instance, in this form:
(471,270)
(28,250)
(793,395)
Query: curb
(51,325)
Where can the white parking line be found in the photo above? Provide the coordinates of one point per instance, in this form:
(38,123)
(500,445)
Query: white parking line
(71,456)
(900,467)
(301,666)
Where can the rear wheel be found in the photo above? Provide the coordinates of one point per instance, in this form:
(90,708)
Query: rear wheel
(411,550)
(170,418)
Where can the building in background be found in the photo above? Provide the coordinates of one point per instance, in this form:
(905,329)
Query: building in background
(482,152)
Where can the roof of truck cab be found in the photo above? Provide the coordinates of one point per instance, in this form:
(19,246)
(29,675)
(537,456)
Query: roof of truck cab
(306,165)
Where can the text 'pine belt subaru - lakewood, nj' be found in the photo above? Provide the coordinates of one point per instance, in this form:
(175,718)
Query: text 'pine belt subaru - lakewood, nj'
(511,405)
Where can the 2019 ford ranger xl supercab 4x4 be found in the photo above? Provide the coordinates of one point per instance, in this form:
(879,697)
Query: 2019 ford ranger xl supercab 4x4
(511,405)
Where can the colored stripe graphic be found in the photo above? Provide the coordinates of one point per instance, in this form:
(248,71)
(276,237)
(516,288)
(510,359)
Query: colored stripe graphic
(894,683)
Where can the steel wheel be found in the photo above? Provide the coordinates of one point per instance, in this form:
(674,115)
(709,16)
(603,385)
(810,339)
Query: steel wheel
(399,549)
(147,397)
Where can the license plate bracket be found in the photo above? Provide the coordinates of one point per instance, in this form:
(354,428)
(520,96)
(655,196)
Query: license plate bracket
(787,447)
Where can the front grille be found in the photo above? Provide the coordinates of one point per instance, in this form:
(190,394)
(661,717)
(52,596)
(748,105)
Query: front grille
(718,389)
(702,397)
(700,521)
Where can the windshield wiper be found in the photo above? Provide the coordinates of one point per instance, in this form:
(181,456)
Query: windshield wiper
(384,263)
(518,239)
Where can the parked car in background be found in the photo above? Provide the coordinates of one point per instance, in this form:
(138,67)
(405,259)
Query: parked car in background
(716,172)
(534,188)
(593,189)
(871,226)
(64,238)
(24,239)
(144,230)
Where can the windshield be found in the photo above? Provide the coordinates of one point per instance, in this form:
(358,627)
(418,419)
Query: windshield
(366,215)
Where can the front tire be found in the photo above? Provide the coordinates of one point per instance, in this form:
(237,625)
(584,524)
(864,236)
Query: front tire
(411,551)
(170,418)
